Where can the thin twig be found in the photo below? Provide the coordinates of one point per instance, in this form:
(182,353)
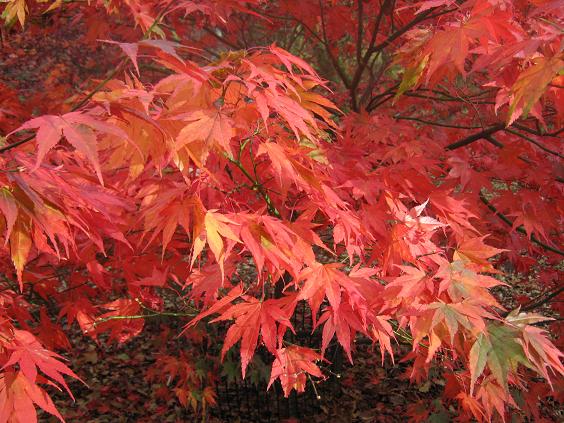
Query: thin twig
(532,141)
(141,316)
(520,229)
(428,122)
(542,299)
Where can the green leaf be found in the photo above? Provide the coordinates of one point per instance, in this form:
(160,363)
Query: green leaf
(478,358)
(411,77)
(505,354)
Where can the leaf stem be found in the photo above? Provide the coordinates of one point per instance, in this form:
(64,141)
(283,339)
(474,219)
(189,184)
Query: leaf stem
(142,316)
(256,185)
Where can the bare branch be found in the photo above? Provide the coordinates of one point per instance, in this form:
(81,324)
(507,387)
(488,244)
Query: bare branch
(475,137)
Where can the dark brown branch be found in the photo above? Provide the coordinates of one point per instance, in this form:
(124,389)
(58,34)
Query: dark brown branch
(295,35)
(481,134)
(493,141)
(475,137)
(532,141)
(428,122)
(428,14)
(386,6)
(520,229)
(381,98)
(487,137)
(370,107)
(538,133)
(365,59)
(222,39)
(98,87)
(360,33)
(325,42)
(451,99)
(16,144)
(542,299)
(322,41)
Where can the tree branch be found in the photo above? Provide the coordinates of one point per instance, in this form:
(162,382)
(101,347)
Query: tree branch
(222,39)
(493,141)
(451,99)
(520,229)
(486,134)
(538,133)
(360,34)
(532,141)
(542,299)
(325,42)
(16,144)
(141,316)
(475,137)
(362,63)
(420,18)
(428,122)
(387,94)
(257,186)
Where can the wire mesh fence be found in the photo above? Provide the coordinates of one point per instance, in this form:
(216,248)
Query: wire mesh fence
(250,401)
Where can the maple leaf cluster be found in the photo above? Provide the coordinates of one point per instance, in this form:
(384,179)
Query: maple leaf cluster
(377,162)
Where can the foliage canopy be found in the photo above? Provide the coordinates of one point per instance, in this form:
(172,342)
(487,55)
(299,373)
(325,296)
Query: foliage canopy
(381,161)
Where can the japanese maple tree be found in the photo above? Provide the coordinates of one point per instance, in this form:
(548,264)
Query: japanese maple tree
(380,162)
